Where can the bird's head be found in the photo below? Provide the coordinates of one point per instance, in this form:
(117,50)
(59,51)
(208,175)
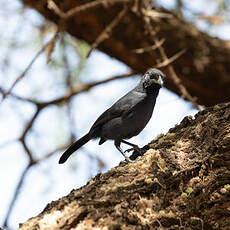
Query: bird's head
(153,77)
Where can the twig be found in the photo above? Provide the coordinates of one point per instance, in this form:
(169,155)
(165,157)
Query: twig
(31,162)
(172,73)
(86,87)
(51,44)
(29,100)
(2,91)
(52,6)
(15,195)
(156,14)
(65,15)
(76,90)
(171,59)
(29,125)
(106,32)
(149,48)
(23,73)
(92,84)
(176,79)
(20,77)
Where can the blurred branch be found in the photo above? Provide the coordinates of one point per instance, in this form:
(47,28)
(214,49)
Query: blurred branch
(40,106)
(76,90)
(21,76)
(207,58)
(5,94)
(149,48)
(108,29)
(179,7)
(167,61)
(65,15)
(84,87)
(68,82)
(51,44)
(156,14)
(29,124)
(176,79)
(31,162)
(15,195)
(170,60)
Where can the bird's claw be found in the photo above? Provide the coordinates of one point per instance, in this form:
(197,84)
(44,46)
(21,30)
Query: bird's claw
(135,148)
(129,150)
(129,160)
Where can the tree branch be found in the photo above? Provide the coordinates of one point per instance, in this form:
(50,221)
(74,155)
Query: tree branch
(108,29)
(22,75)
(15,196)
(70,13)
(207,59)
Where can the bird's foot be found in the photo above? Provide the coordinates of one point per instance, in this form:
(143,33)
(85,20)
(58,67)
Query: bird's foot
(129,160)
(135,148)
(129,150)
(137,152)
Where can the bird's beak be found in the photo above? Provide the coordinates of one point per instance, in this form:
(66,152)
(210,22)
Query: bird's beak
(159,81)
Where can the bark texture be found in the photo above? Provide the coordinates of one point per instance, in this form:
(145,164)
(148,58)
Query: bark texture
(181,182)
(204,68)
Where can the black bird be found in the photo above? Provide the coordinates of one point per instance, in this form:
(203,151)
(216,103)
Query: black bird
(126,118)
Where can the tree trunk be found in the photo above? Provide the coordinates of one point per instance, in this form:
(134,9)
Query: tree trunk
(204,68)
(181,182)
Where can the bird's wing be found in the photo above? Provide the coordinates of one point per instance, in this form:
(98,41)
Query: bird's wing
(122,107)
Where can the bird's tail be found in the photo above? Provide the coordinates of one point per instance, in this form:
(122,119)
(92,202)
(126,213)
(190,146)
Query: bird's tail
(75,146)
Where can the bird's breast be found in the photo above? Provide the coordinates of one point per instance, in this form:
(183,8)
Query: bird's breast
(139,118)
(131,124)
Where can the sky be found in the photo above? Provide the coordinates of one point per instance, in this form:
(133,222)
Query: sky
(49,181)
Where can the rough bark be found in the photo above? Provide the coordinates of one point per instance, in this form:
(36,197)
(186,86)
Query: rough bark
(181,182)
(204,69)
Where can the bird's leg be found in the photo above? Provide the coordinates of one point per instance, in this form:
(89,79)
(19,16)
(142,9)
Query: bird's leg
(117,145)
(134,147)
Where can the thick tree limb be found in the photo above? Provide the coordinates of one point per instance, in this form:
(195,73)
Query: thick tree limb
(204,69)
(181,182)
